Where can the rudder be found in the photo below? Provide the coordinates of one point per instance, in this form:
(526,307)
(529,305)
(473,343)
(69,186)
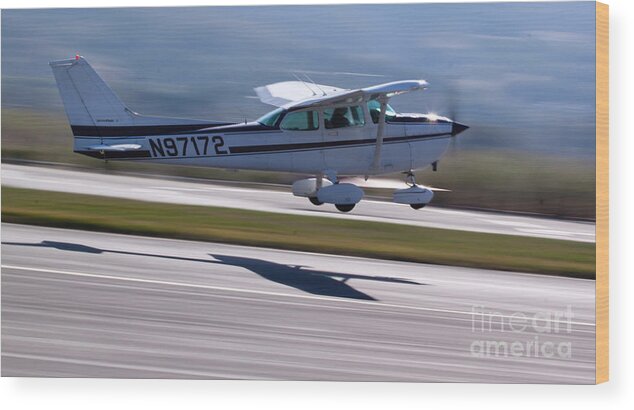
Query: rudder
(88,101)
(94,110)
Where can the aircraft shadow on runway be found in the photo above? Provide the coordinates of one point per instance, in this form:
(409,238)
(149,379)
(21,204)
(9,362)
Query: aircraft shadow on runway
(308,280)
(297,276)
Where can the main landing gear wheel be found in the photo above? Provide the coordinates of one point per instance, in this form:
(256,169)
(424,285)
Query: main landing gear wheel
(345,207)
(417,206)
(315,201)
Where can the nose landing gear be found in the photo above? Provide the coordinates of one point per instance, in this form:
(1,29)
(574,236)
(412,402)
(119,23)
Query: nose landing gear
(410,178)
(415,196)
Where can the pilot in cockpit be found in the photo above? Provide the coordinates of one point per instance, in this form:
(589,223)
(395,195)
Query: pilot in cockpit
(339,119)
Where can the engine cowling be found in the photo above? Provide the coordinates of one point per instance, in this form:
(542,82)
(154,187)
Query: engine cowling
(415,195)
(308,187)
(340,194)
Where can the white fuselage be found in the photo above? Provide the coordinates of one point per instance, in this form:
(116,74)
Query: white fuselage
(407,145)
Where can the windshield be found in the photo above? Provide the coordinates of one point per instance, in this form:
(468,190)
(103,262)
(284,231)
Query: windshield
(271,118)
(374,106)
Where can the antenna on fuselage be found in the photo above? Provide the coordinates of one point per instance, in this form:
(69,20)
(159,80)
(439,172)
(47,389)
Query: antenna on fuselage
(315,84)
(303,82)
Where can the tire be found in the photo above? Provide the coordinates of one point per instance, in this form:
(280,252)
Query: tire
(417,206)
(313,200)
(345,207)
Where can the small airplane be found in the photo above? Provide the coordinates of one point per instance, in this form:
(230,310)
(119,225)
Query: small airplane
(316,129)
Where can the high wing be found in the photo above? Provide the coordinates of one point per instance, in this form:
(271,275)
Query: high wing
(280,94)
(299,94)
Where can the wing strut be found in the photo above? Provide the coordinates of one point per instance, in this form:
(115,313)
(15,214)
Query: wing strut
(376,163)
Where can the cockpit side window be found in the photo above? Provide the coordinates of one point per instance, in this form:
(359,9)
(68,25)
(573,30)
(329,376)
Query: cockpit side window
(374,106)
(300,121)
(342,117)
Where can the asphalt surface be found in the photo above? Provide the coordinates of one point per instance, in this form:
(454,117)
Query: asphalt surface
(282,201)
(84,304)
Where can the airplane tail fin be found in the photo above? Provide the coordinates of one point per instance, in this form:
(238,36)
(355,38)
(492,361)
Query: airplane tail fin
(88,101)
(93,109)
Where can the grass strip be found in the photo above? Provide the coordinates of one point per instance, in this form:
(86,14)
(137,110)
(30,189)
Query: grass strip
(303,233)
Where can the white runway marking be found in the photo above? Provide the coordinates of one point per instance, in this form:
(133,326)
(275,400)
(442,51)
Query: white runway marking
(279,199)
(86,304)
(552,232)
(113,365)
(513,224)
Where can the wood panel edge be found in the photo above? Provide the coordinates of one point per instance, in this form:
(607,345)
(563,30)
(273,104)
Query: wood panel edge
(602,356)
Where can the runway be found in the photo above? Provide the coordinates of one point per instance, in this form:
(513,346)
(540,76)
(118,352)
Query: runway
(84,304)
(282,201)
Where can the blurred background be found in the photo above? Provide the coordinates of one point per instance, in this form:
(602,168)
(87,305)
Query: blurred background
(521,75)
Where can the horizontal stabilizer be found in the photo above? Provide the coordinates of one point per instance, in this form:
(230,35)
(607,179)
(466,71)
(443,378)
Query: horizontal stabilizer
(117,147)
